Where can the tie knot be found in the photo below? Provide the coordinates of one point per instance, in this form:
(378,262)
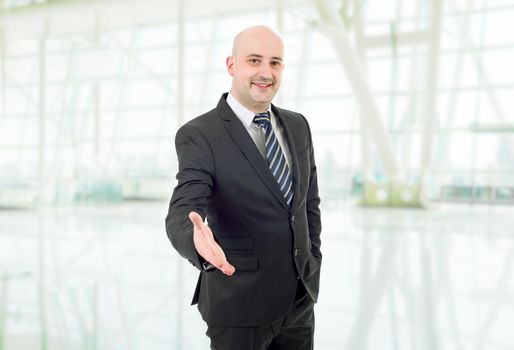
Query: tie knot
(262,119)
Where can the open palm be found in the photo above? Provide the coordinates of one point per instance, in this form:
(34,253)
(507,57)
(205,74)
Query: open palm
(207,247)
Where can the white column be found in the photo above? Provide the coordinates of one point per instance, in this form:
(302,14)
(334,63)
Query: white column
(96,116)
(96,92)
(42,116)
(431,87)
(2,72)
(42,190)
(179,263)
(3,308)
(180,61)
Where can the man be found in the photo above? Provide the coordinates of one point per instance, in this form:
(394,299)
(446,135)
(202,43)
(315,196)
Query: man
(248,167)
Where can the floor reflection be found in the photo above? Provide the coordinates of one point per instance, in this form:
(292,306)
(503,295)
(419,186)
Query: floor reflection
(107,278)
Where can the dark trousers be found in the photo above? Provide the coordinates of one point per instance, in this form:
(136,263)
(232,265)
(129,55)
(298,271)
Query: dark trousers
(295,331)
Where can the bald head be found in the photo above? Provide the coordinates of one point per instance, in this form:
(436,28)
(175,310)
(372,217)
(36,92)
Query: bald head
(256,66)
(251,34)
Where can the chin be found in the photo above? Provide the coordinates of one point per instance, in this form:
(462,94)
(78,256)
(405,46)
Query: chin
(262,99)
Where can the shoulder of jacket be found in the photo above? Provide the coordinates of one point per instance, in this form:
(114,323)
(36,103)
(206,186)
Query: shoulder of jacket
(288,113)
(292,116)
(203,121)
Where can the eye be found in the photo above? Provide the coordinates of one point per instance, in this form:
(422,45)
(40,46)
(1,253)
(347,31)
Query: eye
(254,60)
(276,63)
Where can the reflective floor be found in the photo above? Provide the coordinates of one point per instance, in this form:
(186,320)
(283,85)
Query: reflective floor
(106,277)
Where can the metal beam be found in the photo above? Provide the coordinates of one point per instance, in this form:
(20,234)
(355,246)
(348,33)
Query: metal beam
(335,30)
(365,142)
(400,39)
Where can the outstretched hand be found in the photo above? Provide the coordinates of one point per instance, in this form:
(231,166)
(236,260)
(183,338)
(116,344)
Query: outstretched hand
(207,247)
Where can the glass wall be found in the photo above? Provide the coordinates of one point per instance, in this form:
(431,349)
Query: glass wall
(102,98)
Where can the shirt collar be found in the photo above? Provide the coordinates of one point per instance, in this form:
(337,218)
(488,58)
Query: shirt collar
(244,114)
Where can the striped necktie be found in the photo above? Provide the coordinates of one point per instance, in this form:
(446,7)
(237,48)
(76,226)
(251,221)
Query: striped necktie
(276,159)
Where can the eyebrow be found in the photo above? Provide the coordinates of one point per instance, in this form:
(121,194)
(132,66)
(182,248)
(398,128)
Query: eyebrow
(261,56)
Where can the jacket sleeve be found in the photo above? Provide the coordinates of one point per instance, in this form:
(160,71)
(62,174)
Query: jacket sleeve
(192,192)
(313,202)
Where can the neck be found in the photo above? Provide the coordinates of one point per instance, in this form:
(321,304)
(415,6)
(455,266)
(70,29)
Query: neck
(253,107)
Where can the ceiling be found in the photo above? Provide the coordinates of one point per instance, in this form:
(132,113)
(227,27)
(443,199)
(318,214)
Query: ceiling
(65,16)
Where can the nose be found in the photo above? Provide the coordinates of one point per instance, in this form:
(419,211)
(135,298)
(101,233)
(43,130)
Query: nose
(265,73)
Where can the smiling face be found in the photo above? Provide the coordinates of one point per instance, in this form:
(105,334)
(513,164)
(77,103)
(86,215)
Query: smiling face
(256,67)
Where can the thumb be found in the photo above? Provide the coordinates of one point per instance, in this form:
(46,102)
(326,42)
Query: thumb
(196,219)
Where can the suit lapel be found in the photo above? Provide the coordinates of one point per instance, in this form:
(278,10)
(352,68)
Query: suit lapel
(241,138)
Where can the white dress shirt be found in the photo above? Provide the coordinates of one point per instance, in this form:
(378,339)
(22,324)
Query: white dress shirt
(257,133)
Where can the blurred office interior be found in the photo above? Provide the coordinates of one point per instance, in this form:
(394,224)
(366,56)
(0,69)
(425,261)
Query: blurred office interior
(411,105)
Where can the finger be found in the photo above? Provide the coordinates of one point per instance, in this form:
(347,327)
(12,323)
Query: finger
(217,260)
(205,248)
(227,268)
(224,265)
(196,219)
(208,249)
(202,247)
(213,253)
(198,223)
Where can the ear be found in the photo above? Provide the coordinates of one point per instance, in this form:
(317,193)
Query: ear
(230,65)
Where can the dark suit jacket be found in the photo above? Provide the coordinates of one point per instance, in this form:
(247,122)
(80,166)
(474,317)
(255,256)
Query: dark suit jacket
(223,176)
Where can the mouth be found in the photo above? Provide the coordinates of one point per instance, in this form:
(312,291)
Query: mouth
(262,85)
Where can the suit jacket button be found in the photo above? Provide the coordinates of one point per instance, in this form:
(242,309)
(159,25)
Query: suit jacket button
(292,218)
(296,252)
